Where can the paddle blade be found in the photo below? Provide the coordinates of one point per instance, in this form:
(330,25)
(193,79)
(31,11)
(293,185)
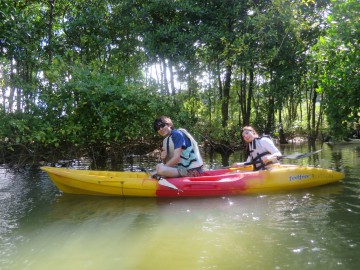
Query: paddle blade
(166,183)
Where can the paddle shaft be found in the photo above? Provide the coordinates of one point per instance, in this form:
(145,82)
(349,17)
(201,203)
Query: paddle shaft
(298,156)
(292,156)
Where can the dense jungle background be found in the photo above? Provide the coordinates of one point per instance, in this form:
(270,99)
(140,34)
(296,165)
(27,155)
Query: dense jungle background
(87,78)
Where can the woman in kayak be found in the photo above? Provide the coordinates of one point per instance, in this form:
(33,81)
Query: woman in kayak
(261,151)
(180,153)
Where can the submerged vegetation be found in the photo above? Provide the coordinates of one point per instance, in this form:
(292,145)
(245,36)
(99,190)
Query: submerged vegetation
(87,78)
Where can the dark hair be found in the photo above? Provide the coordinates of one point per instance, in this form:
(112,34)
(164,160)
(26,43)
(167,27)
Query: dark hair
(163,120)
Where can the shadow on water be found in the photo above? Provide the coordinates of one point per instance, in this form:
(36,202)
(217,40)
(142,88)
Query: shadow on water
(82,208)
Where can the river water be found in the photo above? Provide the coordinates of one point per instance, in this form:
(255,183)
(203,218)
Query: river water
(318,228)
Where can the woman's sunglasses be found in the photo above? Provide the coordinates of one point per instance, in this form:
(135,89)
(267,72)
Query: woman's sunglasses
(246,132)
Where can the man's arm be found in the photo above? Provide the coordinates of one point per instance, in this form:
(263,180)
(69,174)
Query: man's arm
(175,159)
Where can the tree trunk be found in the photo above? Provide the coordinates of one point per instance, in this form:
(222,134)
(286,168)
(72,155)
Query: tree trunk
(242,99)
(220,82)
(270,115)
(270,109)
(249,97)
(50,29)
(12,90)
(172,83)
(312,116)
(226,97)
(281,130)
(320,118)
(164,76)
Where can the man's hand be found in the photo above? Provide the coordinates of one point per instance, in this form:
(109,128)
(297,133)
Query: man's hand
(163,154)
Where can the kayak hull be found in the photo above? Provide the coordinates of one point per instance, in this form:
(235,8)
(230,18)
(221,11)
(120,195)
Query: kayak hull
(223,182)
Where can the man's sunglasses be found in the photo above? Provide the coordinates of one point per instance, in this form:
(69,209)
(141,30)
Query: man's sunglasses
(160,125)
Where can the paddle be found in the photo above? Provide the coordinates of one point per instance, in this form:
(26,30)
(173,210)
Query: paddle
(298,156)
(292,156)
(162,181)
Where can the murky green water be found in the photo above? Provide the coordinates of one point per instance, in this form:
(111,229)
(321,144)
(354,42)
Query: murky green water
(41,228)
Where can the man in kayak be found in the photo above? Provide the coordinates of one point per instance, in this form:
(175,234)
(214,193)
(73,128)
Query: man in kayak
(261,151)
(180,153)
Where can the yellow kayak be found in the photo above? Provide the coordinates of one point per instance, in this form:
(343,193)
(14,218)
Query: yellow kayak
(223,182)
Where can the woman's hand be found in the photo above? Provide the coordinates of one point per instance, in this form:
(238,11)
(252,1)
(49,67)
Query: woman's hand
(269,158)
(238,165)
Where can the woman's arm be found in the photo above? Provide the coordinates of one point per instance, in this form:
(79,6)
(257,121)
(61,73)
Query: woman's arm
(269,145)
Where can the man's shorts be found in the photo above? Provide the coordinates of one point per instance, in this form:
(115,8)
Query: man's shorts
(191,173)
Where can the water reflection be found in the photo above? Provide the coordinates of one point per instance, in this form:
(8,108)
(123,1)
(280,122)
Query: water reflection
(41,228)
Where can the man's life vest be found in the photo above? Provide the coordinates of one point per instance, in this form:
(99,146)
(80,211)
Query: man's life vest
(190,157)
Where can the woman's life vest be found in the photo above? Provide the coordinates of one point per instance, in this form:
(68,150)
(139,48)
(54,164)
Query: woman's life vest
(190,157)
(258,148)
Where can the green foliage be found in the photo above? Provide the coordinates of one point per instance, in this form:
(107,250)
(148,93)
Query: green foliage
(339,56)
(101,108)
(28,131)
(75,73)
